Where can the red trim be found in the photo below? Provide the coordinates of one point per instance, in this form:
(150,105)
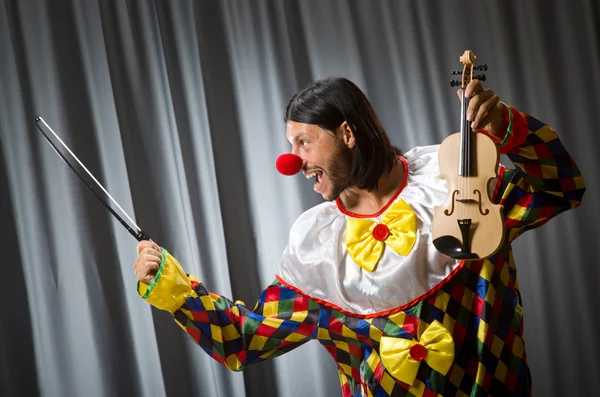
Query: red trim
(377,314)
(385,207)
(518,135)
(498,182)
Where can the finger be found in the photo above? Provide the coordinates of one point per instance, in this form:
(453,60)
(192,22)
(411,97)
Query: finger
(475,103)
(459,93)
(151,257)
(156,246)
(143,244)
(482,123)
(473,88)
(147,279)
(145,270)
(152,267)
(151,251)
(150,279)
(484,111)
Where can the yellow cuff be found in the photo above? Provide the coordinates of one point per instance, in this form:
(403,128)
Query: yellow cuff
(170,287)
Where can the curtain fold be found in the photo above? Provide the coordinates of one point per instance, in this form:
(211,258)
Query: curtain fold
(177,108)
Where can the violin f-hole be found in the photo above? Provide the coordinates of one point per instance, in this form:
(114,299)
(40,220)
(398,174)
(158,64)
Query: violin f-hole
(454,193)
(487,211)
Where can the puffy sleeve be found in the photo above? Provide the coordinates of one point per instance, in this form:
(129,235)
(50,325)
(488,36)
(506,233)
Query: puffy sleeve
(230,332)
(545,180)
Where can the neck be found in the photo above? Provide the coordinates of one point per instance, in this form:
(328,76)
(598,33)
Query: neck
(362,201)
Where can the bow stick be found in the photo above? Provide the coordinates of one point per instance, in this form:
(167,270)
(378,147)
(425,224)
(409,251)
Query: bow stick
(99,190)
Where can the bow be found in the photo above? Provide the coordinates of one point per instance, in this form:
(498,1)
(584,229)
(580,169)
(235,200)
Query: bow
(366,239)
(402,357)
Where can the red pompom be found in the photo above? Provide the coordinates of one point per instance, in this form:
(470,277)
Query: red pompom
(288,164)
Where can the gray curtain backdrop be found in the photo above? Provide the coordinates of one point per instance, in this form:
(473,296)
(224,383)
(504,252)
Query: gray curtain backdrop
(177,108)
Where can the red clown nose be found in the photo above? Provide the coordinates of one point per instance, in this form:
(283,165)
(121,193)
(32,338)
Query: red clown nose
(288,164)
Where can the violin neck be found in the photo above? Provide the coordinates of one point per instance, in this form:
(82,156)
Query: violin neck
(465,165)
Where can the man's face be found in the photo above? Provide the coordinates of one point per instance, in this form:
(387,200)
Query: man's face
(326,157)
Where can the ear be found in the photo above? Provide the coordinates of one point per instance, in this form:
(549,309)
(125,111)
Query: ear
(347,135)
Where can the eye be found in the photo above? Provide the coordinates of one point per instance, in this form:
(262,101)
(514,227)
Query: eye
(303,143)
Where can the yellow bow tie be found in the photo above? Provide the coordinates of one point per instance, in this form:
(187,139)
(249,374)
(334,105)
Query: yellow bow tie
(366,239)
(402,357)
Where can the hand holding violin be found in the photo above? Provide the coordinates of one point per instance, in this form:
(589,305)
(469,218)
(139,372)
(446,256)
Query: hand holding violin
(484,110)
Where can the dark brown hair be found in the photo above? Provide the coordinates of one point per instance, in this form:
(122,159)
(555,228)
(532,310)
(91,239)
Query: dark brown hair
(328,103)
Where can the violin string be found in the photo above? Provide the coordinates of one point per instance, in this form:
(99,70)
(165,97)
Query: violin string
(468,153)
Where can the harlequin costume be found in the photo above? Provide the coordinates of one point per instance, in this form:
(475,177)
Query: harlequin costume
(398,318)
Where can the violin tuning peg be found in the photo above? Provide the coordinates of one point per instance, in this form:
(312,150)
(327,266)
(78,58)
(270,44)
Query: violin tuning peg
(483,67)
(457,72)
(481,77)
(455,83)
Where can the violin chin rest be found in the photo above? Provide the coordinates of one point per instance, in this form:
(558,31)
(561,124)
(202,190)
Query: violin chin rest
(452,247)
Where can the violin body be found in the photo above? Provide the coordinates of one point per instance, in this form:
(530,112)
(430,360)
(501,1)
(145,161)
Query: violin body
(468,225)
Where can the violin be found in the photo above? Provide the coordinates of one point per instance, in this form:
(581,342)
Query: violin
(468,225)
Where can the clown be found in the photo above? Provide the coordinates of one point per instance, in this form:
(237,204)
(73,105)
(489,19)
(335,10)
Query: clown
(361,274)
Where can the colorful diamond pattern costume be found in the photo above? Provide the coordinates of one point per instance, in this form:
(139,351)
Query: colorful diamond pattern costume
(452,329)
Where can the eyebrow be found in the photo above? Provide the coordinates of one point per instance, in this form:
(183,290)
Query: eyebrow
(301,135)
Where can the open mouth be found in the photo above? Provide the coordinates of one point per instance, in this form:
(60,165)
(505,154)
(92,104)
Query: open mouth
(318,175)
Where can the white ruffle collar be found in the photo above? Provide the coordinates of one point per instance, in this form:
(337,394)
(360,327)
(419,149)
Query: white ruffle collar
(316,262)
